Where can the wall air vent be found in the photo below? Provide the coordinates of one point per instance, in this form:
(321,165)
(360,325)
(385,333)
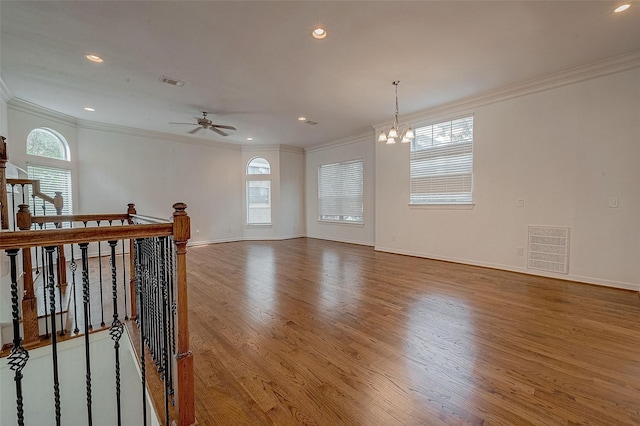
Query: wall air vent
(548,249)
(171,81)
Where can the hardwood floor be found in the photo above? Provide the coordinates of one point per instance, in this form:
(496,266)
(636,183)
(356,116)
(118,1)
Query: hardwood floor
(308,331)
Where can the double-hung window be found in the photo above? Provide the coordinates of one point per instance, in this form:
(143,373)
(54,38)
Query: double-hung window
(53,150)
(258,192)
(442,163)
(340,192)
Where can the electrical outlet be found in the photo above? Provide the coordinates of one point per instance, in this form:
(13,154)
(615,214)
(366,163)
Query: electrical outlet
(520,251)
(613,202)
(520,203)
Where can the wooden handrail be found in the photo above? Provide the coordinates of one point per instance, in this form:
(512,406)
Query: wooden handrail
(35,184)
(55,237)
(80,218)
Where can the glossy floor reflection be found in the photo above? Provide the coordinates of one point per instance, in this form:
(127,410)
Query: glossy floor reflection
(308,331)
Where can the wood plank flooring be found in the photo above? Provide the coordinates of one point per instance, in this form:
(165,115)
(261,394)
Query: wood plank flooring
(314,332)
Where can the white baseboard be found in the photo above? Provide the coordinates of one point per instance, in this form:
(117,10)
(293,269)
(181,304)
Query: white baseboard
(569,277)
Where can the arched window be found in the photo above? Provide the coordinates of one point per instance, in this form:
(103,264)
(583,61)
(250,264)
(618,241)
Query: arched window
(258,166)
(258,192)
(49,144)
(45,142)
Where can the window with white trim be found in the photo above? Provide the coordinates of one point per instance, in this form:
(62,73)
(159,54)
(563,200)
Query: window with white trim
(47,143)
(442,163)
(340,192)
(258,192)
(52,180)
(53,149)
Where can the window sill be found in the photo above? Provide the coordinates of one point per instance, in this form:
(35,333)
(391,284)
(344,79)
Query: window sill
(336,222)
(258,225)
(468,206)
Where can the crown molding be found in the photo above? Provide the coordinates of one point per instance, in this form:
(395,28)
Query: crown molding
(142,133)
(362,137)
(5,93)
(564,78)
(21,105)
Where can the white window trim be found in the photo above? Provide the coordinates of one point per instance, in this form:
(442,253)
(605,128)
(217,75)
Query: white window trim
(446,205)
(359,223)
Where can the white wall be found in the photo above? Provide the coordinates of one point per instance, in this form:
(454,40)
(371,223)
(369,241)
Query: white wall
(116,168)
(37,384)
(566,151)
(359,147)
(292,176)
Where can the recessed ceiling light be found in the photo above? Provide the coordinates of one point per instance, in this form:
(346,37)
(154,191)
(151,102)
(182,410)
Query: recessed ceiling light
(319,33)
(302,118)
(89,109)
(622,8)
(94,58)
(249,139)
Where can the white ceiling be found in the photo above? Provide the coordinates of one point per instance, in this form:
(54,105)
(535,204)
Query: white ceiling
(255,66)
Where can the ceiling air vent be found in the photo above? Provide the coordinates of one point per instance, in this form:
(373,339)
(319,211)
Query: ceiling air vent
(171,81)
(548,249)
(313,123)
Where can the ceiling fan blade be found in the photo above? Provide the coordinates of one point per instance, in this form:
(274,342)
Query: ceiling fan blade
(220,132)
(191,132)
(221,126)
(190,124)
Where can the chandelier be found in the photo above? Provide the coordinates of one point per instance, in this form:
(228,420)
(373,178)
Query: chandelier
(395,132)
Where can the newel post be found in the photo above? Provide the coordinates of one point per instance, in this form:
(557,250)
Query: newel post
(29,304)
(131,210)
(181,234)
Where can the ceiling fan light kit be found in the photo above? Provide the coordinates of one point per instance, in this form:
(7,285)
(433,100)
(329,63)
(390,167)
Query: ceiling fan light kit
(396,132)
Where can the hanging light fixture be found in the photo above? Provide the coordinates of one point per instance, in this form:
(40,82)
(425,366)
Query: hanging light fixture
(395,132)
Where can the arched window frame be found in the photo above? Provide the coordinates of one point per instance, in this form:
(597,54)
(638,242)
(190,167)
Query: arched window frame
(57,168)
(66,154)
(258,186)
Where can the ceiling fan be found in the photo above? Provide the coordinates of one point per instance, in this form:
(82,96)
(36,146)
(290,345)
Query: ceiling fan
(204,123)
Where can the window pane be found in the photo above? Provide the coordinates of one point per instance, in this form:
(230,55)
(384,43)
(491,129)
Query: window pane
(340,192)
(258,166)
(51,179)
(442,163)
(259,202)
(45,143)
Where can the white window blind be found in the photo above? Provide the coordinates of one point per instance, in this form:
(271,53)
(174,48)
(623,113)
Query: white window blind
(340,189)
(442,163)
(259,202)
(51,179)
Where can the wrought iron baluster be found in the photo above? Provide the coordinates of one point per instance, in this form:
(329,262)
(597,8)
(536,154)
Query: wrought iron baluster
(174,306)
(139,280)
(88,309)
(124,279)
(116,329)
(54,337)
(35,227)
(100,278)
(74,267)
(45,280)
(59,269)
(13,204)
(84,249)
(166,369)
(19,355)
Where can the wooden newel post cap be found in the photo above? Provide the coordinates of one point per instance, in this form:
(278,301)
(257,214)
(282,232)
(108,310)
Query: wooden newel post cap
(23,217)
(131,208)
(181,223)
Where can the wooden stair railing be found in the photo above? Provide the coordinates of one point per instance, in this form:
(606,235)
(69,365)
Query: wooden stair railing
(177,232)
